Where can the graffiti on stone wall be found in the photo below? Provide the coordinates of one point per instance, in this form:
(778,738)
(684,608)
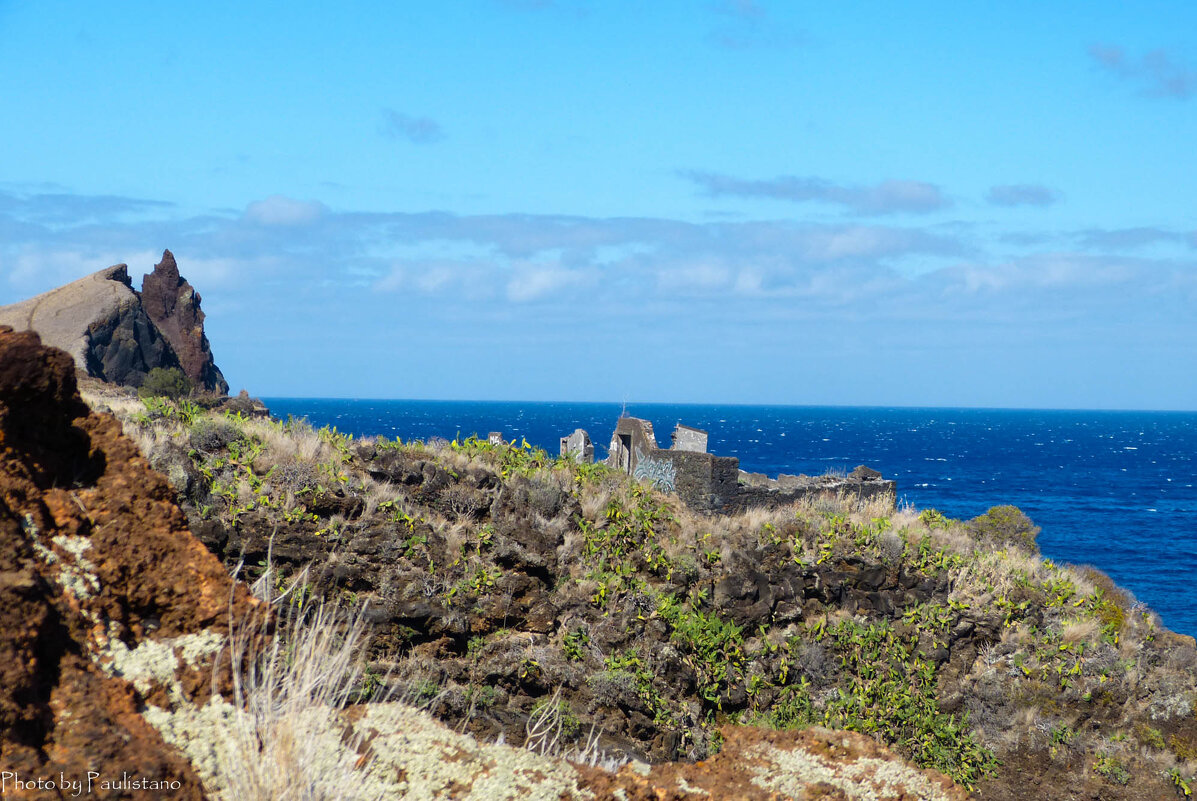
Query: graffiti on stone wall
(661,472)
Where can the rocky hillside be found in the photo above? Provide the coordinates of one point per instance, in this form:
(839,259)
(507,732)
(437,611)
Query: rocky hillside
(133,666)
(517,596)
(827,650)
(119,335)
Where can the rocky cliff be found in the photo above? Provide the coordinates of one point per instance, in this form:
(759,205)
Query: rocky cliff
(174,306)
(538,601)
(118,335)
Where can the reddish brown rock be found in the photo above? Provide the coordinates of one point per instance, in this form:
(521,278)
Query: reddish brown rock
(95,561)
(174,306)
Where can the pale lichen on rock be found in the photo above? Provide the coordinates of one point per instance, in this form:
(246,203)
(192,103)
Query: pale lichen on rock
(858,777)
(156,662)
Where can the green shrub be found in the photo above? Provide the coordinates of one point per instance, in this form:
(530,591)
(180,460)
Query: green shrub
(1150,737)
(210,434)
(158,407)
(1109,604)
(167,382)
(791,709)
(575,644)
(712,647)
(1006,525)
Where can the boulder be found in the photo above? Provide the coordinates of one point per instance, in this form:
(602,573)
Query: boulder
(863,473)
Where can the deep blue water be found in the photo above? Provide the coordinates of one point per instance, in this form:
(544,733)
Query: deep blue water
(1117,490)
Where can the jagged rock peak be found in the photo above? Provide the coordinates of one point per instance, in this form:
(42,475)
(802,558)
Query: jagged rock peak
(174,306)
(118,335)
(99,320)
(168,266)
(160,287)
(119,273)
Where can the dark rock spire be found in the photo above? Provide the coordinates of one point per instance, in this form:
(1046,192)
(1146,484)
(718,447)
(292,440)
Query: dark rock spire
(174,306)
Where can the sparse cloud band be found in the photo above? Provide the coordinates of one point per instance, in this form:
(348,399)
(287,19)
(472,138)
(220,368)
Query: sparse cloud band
(1022,195)
(597,264)
(280,210)
(887,197)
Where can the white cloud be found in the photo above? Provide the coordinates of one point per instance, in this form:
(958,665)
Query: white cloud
(221,271)
(1022,195)
(749,281)
(280,210)
(434,278)
(31,269)
(535,282)
(1045,277)
(700,276)
(450,278)
(740,270)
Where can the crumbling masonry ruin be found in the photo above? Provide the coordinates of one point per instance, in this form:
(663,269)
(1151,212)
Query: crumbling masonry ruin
(711,483)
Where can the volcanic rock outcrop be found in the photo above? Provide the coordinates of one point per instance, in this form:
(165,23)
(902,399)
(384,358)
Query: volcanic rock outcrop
(88,616)
(119,335)
(174,306)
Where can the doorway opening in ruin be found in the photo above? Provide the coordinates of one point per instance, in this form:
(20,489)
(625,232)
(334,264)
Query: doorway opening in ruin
(625,440)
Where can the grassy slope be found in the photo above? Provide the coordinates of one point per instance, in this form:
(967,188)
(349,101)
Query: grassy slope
(499,576)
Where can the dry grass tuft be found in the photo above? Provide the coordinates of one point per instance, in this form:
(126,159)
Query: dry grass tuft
(879,506)
(1086,630)
(284,740)
(297,441)
(377,493)
(594,504)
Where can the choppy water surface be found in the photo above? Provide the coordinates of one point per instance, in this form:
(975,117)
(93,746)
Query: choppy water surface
(1111,489)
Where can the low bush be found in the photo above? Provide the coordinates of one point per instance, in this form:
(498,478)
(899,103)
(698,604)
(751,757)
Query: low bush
(210,434)
(1005,525)
(169,382)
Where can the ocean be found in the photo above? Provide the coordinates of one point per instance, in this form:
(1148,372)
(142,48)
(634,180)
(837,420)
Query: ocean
(1116,490)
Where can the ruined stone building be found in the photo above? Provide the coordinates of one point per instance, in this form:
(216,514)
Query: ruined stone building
(711,483)
(578,447)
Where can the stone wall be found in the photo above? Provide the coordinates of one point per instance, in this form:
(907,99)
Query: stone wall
(686,438)
(632,441)
(702,480)
(577,446)
(710,483)
(776,494)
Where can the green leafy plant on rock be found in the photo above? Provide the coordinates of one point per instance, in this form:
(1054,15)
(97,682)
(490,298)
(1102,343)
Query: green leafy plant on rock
(890,690)
(712,647)
(1112,769)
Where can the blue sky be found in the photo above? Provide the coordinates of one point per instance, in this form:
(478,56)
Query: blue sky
(935,204)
